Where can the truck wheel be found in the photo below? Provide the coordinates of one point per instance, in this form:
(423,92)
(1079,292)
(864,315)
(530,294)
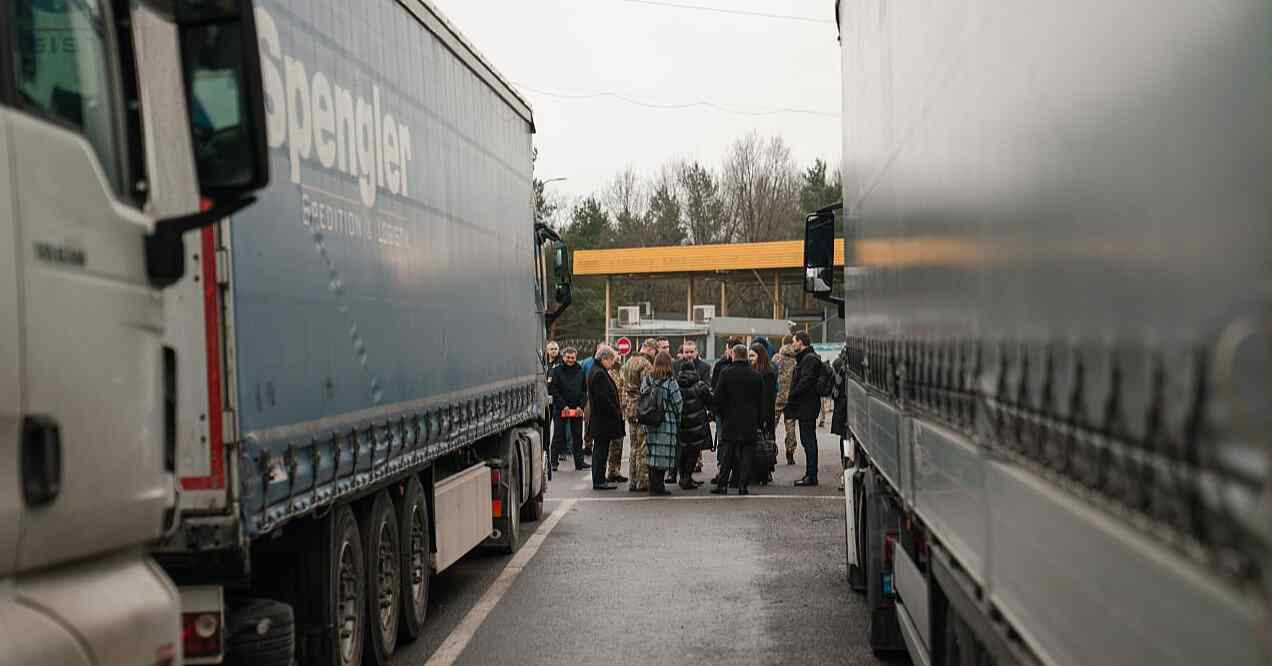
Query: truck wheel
(857,573)
(258,632)
(383,551)
(413,527)
(335,568)
(532,510)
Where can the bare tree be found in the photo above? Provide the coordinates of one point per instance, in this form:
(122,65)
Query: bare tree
(627,200)
(702,204)
(761,189)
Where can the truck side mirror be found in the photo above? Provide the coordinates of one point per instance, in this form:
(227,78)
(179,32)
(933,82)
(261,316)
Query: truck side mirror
(819,253)
(225,96)
(221,68)
(562,272)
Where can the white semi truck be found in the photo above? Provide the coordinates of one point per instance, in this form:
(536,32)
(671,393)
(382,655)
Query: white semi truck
(1056,403)
(123,125)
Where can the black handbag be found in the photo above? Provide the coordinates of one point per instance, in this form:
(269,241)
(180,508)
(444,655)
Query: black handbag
(765,447)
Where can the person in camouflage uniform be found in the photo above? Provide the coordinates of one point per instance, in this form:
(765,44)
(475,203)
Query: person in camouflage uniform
(785,364)
(634,372)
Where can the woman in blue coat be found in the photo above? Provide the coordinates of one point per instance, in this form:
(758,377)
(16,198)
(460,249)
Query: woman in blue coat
(663,442)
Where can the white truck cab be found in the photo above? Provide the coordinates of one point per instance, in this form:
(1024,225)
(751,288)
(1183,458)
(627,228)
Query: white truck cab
(122,126)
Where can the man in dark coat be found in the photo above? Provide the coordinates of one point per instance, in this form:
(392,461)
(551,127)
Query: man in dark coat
(804,403)
(722,450)
(689,357)
(739,401)
(605,415)
(569,395)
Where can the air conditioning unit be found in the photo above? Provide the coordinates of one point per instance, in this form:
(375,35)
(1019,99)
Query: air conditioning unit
(646,309)
(703,314)
(628,316)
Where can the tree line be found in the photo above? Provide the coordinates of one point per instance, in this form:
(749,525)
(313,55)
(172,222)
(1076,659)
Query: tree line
(758,193)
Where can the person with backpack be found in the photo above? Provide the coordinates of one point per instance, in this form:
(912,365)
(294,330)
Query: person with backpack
(658,411)
(803,404)
(695,422)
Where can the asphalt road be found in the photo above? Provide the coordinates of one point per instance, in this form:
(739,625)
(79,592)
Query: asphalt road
(687,579)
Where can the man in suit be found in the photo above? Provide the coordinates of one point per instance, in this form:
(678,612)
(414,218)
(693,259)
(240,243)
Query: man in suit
(739,401)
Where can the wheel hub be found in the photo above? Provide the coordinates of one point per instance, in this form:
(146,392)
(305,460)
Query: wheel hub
(388,581)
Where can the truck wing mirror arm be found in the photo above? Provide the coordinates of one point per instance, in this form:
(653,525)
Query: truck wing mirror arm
(165,254)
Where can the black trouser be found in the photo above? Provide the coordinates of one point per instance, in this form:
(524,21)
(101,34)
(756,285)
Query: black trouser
(600,454)
(737,462)
(657,481)
(808,440)
(687,460)
(575,426)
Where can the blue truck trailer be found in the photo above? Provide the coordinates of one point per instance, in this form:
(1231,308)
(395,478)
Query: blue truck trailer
(1055,400)
(360,384)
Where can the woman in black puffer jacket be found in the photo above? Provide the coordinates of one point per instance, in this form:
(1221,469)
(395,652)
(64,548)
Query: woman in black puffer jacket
(695,433)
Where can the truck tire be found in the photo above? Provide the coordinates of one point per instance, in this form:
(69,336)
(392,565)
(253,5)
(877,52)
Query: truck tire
(512,514)
(857,573)
(883,632)
(532,510)
(413,528)
(382,548)
(259,632)
(327,590)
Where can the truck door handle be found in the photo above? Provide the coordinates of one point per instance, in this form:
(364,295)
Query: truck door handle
(41,460)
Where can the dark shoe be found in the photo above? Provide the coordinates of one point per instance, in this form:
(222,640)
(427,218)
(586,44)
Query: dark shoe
(605,487)
(688,484)
(556,468)
(696,483)
(715,480)
(617,478)
(719,490)
(671,478)
(582,467)
(790,459)
(697,468)
(744,491)
(806,482)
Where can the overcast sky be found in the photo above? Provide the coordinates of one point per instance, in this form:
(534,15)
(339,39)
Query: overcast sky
(659,55)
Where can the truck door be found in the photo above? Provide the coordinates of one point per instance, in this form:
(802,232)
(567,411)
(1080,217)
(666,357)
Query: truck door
(90,323)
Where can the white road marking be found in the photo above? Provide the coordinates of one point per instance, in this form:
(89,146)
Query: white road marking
(458,639)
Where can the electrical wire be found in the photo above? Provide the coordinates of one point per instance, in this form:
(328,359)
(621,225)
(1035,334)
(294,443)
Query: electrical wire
(685,105)
(736,12)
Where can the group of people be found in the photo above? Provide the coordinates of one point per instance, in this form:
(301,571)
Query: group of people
(666,406)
